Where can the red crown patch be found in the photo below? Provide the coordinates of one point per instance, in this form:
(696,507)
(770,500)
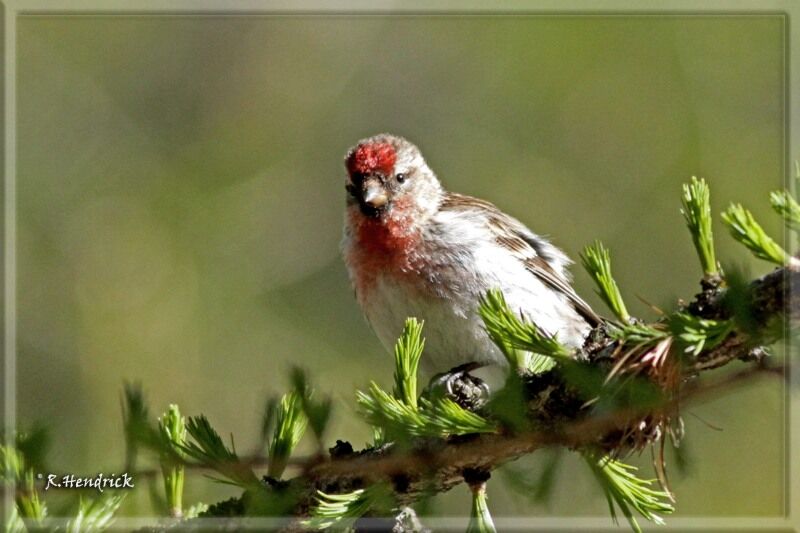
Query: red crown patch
(372,157)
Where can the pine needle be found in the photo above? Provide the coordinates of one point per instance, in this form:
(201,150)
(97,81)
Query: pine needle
(289,429)
(596,260)
(628,492)
(407,354)
(507,329)
(787,207)
(697,213)
(747,231)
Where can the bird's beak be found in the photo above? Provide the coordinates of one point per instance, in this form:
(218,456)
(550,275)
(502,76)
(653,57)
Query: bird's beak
(374,194)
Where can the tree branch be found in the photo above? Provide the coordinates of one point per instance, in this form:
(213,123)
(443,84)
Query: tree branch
(561,418)
(440,466)
(772,297)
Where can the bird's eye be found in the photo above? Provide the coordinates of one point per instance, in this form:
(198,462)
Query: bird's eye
(400,178)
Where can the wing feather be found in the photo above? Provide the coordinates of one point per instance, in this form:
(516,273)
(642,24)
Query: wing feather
(541,259)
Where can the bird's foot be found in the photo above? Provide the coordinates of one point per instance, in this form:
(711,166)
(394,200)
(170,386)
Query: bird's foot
(457,384)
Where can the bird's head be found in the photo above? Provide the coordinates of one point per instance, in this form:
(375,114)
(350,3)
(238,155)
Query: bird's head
(388,176)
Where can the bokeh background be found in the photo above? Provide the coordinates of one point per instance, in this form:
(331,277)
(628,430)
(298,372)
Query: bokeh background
(180,198)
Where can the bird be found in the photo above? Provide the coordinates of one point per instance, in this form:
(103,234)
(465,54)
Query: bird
(414,249)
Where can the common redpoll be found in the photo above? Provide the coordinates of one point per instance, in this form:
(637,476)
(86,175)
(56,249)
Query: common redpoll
(413,249)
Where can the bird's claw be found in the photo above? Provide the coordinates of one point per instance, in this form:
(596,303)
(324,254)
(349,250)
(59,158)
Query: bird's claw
(457,384)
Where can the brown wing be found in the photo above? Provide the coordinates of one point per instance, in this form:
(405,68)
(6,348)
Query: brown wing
(530,249)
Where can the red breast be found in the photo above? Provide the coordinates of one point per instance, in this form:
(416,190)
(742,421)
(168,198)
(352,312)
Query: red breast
(382,246)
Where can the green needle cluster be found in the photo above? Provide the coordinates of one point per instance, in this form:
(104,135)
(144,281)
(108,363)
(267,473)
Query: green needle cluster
(402,414)
(508,330)
(15,473)
(338,512)
(172,430)
(289,429)
(207,448)
(697,213)
(786,206)
(747,231)
(407,353)
(480,519)
(698,334)
(628,492)
(94,514)
(596,260)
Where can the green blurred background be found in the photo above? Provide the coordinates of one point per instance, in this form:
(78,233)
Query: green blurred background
(180,198)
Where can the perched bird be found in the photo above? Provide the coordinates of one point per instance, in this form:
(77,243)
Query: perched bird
(413,249)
